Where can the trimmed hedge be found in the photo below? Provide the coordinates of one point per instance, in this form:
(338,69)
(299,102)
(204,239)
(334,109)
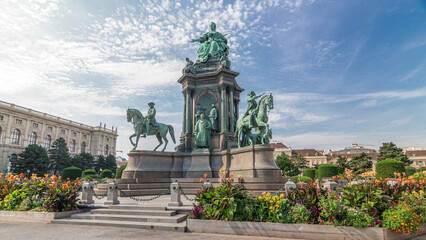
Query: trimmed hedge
(410,170)
(120,171)
(71,172)
(327,171)
(89,172)
(92,177)
(388,167)
(106,173)
(310,172)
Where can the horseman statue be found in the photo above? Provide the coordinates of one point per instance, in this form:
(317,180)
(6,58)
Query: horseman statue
(144,126)
(255,117)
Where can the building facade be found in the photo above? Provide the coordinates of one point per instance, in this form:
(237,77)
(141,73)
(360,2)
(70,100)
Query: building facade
(20,127)
(417,155)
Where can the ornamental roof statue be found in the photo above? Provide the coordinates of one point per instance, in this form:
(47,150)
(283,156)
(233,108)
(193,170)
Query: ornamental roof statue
(214,45)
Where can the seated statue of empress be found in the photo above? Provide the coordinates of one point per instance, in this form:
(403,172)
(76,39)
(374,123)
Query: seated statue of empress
(214,45)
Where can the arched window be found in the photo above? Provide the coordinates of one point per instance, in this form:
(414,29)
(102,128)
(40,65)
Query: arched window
(72,146)
(47,142)
(16,135)
(106,150)
(83,147)
(33,138)
(0,132)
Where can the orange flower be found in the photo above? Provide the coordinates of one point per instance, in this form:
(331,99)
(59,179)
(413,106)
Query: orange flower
(11,177)
(205,175)
(54,178)
(64,186)
(201,179)
(21,175)
(54,184)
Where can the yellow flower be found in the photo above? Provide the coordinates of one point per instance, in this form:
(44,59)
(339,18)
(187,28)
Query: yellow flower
(282,195)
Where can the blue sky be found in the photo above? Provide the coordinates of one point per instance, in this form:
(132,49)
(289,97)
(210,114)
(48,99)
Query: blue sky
(340,71)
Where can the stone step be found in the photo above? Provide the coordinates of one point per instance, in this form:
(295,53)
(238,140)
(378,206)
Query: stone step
(177,227)
(137,207)
(134,212)
(133,218)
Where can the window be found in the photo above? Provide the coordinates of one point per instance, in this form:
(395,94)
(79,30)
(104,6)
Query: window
(83,147)
(16,135)
(18,121)
(0,132)
(107,139)
(50,129)
(84,136)
(1,117)
(35,125)
(62,131)
(33,138)
(72,146)
(106,150)
(74,134)
(47,142)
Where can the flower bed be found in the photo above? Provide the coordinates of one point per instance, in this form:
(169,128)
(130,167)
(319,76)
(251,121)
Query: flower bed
(38,194)
(400,207)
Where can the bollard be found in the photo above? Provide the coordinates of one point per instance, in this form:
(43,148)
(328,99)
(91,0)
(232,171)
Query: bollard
(175,192)
(112,197)
(87,193)
(207,184)
(289,185)
(330,184)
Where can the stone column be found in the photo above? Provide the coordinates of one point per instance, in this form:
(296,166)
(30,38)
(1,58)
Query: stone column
(187,113)
(223,109)
(184,114)
(231,109)
(237,110)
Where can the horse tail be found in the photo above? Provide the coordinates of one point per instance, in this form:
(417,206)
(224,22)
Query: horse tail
(172,133)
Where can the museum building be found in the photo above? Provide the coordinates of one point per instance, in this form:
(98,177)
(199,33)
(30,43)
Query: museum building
(20,127)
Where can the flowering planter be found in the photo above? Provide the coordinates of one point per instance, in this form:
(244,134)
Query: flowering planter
(297,231)
(23,216)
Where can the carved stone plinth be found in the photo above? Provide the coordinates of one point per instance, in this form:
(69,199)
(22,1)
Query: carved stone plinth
(197,163)
(148,164)
(254,162)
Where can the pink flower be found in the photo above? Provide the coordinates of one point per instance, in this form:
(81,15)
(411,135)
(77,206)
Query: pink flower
(332,217)
(331,222)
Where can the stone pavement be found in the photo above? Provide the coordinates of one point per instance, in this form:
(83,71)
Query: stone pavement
(43,231)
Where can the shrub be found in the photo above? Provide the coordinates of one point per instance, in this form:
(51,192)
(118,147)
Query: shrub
(303,179)
(301,214)
(71,172)
(332,212)
(388,167)
(92,177)
(120,171)
(401,218)
(310,172)
(88,172)
(327,171)
(359,218)
(410,170)
(316,173)
(106,173)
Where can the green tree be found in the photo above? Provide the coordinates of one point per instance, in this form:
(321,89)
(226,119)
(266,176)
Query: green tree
(389,150)
(299,161)
(287,166)
(100,164)
(59,156)
(342,163)
(110,163)
(33,159)
(360,163)
(83,161)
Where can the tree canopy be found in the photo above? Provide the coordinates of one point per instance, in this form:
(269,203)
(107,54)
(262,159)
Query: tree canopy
(287,166)
(59,155)
(361,163)
(342,163)
(33,159)
(389,150)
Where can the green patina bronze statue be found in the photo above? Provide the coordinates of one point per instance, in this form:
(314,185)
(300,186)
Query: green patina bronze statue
(148,126)
(202,132)
(214,45)
(256,117)
(189,68)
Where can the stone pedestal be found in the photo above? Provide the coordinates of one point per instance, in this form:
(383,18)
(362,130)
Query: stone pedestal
(254,162)
(198,164)
(148,164)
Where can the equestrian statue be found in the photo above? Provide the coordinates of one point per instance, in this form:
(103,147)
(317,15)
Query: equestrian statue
(144,126)
(255,117)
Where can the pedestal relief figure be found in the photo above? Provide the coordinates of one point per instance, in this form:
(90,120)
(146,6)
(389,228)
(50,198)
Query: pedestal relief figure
(251,107)
(189,68)
(213,118)
(202,132)
(214,45)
